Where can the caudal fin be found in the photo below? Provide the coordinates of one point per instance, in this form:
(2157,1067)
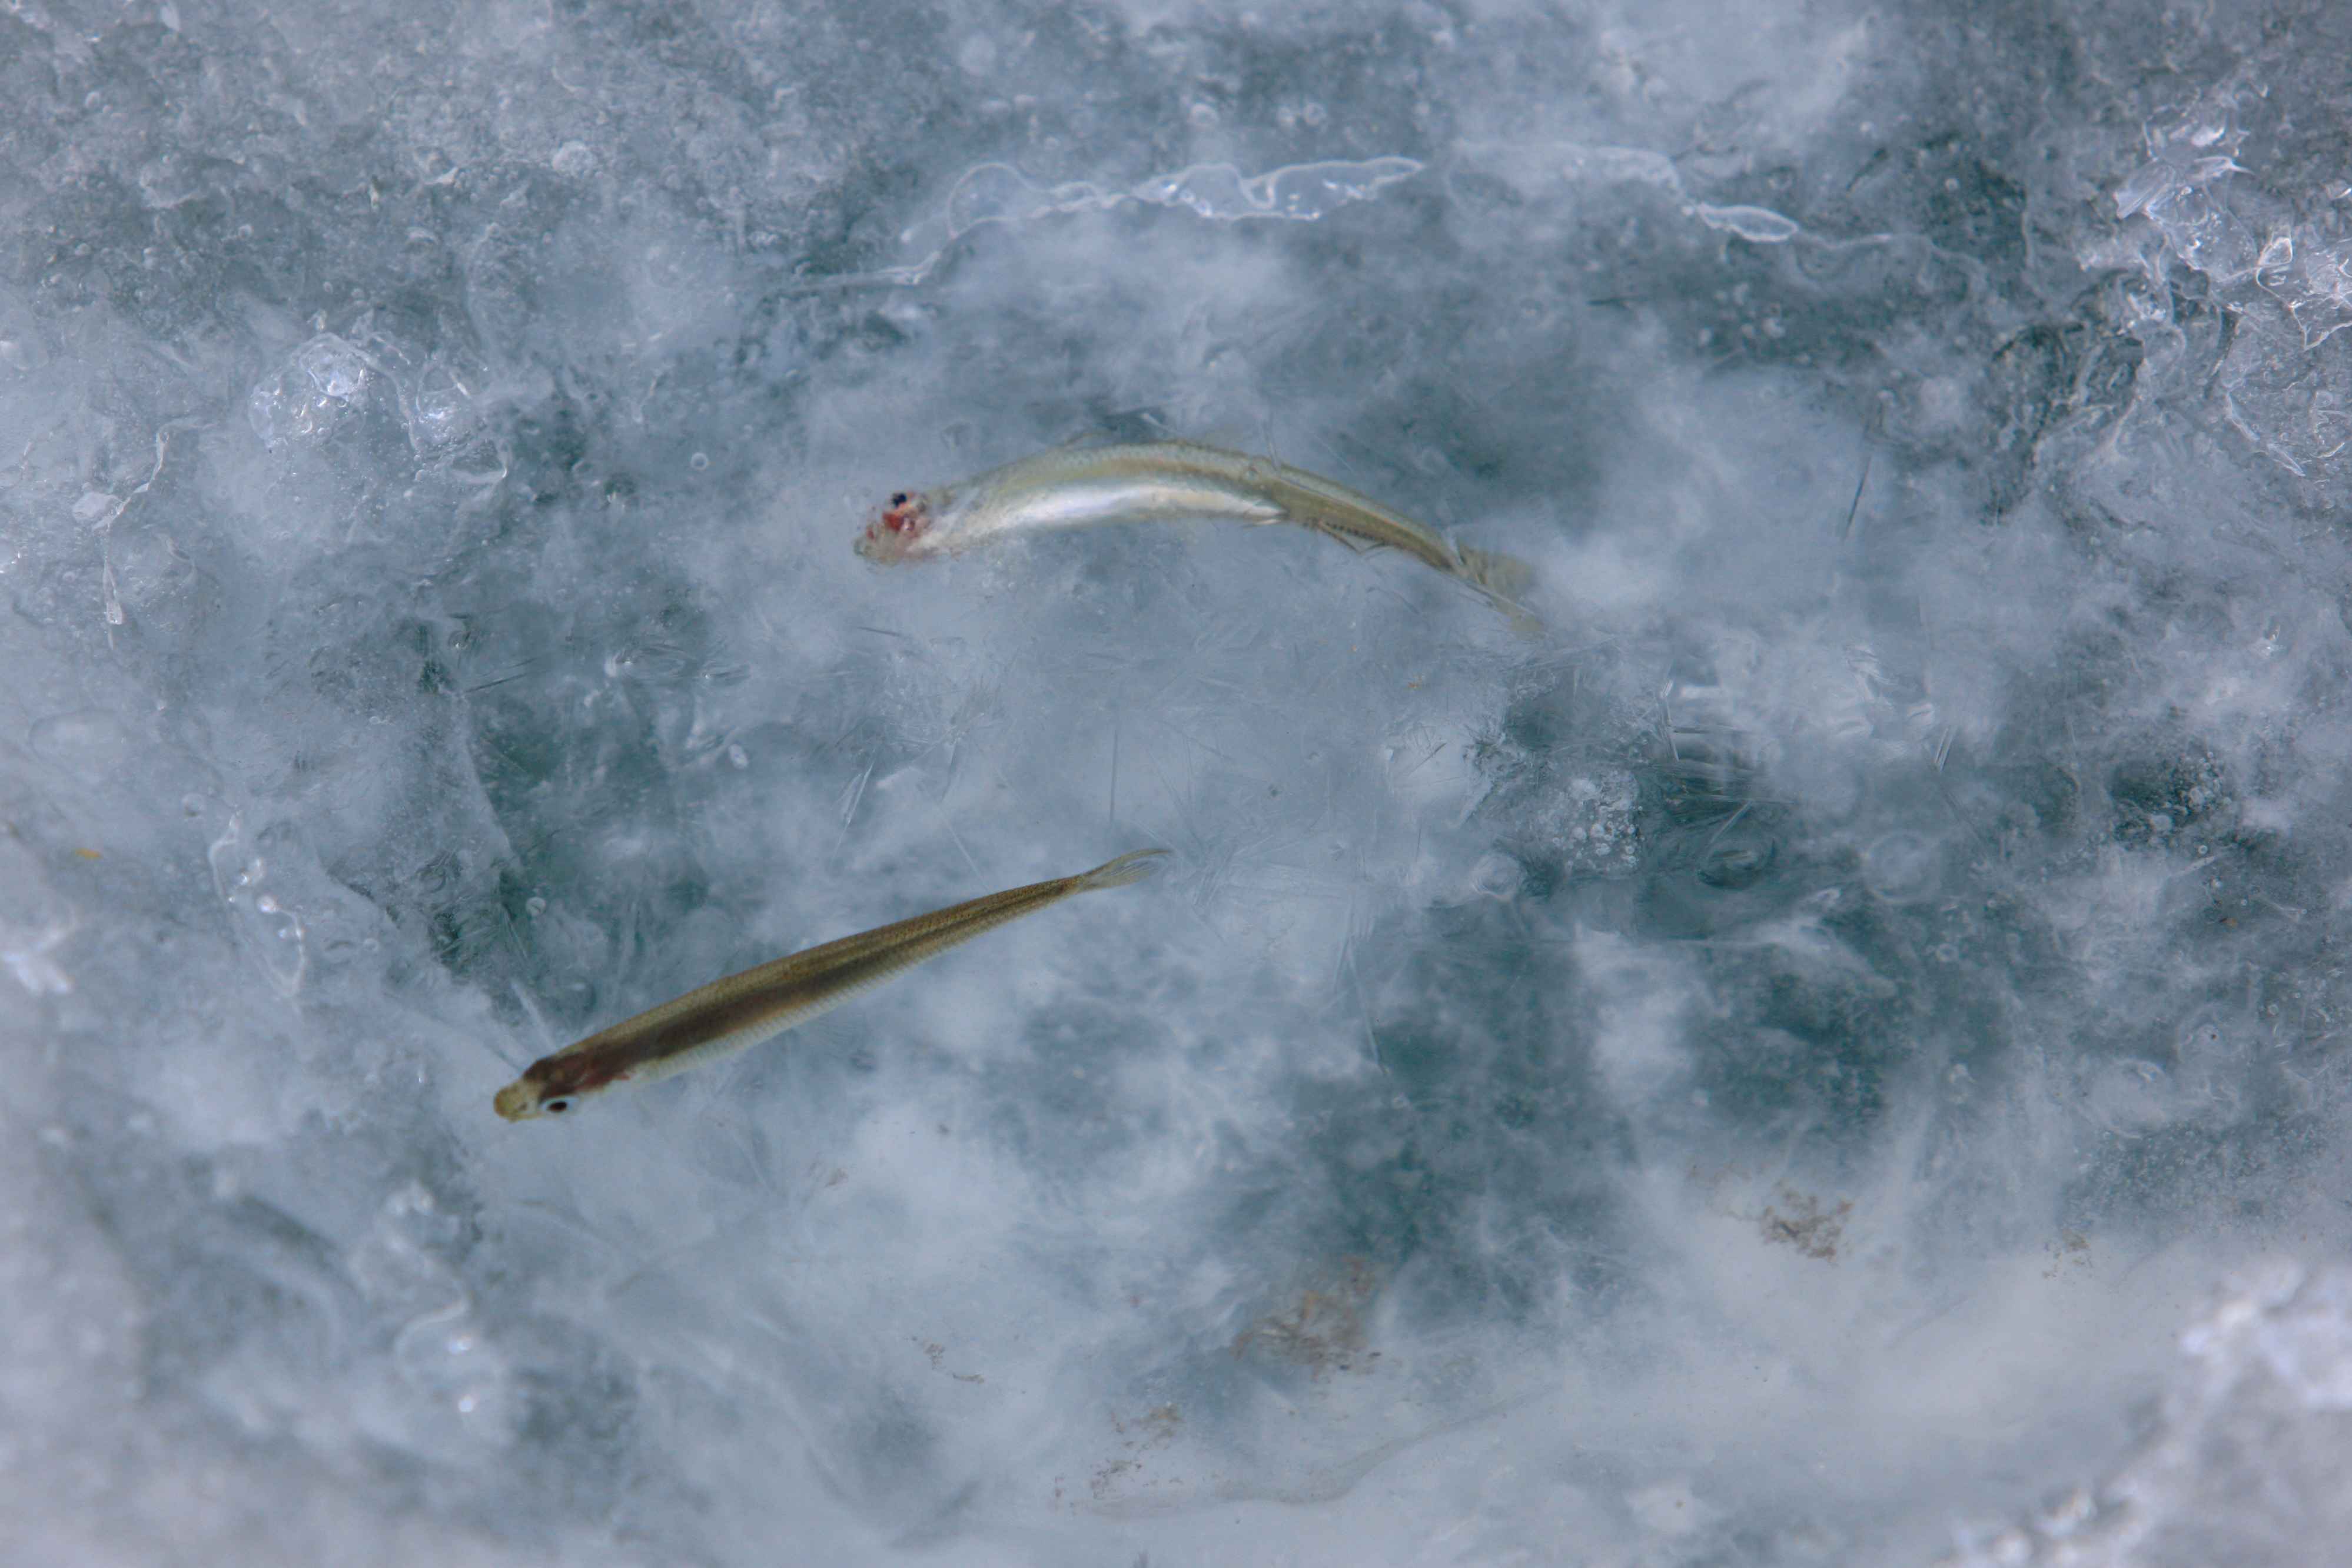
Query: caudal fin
(1131,867)
(1502,578)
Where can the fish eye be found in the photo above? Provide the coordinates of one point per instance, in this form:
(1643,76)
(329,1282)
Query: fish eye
(556,1107)
(899,499)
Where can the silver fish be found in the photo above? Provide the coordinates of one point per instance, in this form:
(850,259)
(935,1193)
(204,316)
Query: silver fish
(1144,481)
(739,1012)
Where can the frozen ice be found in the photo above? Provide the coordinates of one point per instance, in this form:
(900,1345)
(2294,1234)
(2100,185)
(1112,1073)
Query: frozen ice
(1302,193)
(2247,1457)
(1761,225)
(1834,1052)
(995,193)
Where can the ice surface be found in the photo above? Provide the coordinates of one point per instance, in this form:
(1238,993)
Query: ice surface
(999,193)
(1832,1053)
(2247,1457)
(1761,225)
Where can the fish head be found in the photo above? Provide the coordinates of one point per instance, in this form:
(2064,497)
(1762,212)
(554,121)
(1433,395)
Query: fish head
(553,1085)
(901,531)
(521,1101)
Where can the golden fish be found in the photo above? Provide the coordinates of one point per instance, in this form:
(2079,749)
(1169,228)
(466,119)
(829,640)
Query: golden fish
(739,1012)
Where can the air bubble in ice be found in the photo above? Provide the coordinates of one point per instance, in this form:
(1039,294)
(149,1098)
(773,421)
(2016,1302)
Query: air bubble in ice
(1494,876)
(1758,225)
(334,367)
(1901,868)
(321,379)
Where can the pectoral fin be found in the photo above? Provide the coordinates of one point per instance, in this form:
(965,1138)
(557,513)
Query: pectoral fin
(1360,546)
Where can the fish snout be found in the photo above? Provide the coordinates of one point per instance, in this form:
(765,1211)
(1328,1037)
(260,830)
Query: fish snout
(897,530)
(877,544)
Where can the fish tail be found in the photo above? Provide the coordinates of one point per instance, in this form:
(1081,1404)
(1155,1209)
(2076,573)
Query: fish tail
(1132,867)
(1502,578)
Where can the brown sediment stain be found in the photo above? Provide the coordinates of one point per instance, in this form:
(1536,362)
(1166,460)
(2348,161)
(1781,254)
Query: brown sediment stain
(1324,1332)
(1155,1428)
(1100,1482)
(2071,1248)
(1807,1226)
(933,1351)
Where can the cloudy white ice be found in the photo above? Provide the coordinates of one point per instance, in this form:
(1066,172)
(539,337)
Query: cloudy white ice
(1834,1052)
